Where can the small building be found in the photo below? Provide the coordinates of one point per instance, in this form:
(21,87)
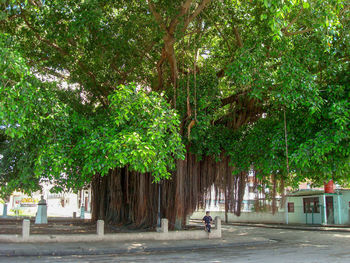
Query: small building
(318,207)
(63,204)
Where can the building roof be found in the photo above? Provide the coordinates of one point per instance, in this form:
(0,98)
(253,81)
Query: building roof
(306,192)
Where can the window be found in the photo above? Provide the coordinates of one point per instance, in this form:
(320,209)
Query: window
(311,205)
(290,207)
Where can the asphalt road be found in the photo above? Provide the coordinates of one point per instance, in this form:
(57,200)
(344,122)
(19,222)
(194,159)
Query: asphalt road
(285,246)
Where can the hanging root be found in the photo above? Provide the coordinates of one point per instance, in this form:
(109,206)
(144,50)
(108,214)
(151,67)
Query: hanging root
(128,197)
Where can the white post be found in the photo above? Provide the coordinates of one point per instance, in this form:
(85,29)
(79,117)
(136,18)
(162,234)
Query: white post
(218,226)
(25,229)
(41,215)
(164,225)
(82,212)
(324,209)
(286,211)
(218,223)
(100,227)
(4,210)
(187,220)
(339,211)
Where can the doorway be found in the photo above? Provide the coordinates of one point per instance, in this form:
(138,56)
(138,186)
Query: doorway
(329,210)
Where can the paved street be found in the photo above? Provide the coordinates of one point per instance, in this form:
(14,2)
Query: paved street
(258,245)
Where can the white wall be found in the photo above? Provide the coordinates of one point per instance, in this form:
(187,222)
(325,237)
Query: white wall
(246,217)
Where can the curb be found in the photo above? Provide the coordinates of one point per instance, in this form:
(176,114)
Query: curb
(30,252)
(311,228)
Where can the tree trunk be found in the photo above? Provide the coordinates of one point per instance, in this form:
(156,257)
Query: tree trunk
(128,197)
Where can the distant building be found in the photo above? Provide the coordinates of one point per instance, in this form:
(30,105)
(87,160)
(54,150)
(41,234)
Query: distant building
(254,200)
(318,207)
(58,204)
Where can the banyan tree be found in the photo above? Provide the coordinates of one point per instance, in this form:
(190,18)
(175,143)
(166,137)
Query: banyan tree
(149,101)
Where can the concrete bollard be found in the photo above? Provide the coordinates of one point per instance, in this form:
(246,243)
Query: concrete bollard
(164,225)
(187,220)
(100,227)
(41,214)
(25,229)
(218,223)
(4,210)
(82,212)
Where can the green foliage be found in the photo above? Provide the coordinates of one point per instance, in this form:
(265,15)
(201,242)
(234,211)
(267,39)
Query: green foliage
(70,115)
(304,74)
(42,138)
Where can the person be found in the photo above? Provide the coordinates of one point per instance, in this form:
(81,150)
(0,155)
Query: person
(207,220)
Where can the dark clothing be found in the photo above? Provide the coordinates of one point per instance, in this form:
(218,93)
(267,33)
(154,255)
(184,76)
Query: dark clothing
(207,220)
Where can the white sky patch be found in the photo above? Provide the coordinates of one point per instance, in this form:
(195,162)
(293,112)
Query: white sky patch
(61,82)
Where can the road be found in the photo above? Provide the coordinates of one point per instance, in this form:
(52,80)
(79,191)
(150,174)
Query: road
(284,246)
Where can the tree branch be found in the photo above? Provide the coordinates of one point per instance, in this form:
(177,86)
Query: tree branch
(193,32)
(183,10)
(233,98)
(156,15)
(36,3)
(220,33)
(238,37)
(49,43)
(298,32)
(196,12)
(285,30)
(160,70)
(293,21)
(168,51)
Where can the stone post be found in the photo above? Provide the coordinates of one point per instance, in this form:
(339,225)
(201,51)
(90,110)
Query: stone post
(218,223)
(25,229)
(41,215)
(82,212)
(4,211)
(164,225)
(218,226)
(324,210)
(187,220)
(100,227)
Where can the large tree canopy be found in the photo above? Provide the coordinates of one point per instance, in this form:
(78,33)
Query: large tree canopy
(137,129)
(107,92)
